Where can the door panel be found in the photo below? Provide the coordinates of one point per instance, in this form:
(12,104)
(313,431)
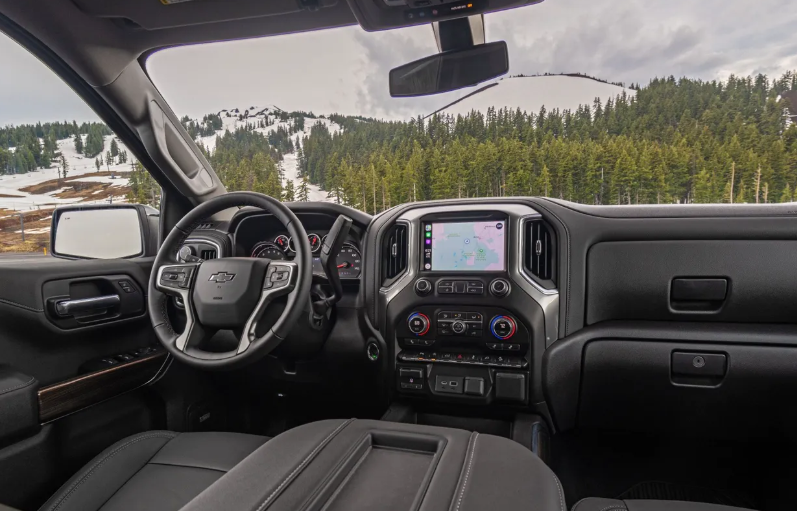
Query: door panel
(83,369)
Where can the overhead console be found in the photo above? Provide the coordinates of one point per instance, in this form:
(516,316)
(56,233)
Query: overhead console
(463,305)
(375,15)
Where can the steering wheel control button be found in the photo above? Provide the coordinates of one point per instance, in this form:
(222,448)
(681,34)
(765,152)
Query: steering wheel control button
(418,323)
(503,327)
(499,288)
(423,287)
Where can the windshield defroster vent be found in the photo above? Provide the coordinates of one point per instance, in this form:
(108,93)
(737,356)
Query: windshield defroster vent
(540,253)
(394,253)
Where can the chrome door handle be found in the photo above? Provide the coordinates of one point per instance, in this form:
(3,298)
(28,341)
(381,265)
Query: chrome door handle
(96,304)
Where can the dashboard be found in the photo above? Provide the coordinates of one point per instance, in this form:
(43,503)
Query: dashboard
(537,305)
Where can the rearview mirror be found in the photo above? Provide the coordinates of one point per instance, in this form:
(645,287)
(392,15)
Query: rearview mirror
(102,231)
(450,70)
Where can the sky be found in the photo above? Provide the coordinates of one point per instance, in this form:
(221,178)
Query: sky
(345,70)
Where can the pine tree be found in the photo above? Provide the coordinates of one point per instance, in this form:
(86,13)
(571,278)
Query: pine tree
(97,163)
(108,160)
(303,193)
(288,193)
(64,166)
(78,141)
(114,148)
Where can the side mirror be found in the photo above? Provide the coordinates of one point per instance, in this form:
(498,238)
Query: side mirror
(450,70)
(112,231)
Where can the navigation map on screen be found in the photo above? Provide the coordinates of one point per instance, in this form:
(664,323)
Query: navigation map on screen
(465,246)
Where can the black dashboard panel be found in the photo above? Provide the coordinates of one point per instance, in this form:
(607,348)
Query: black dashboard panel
(634,280)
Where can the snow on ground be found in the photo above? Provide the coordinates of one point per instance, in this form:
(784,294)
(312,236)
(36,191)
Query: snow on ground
(530,93)
(78,165)
(290,172)
(289,163)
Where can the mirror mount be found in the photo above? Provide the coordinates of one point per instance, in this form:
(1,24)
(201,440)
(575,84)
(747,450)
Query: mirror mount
(459,33)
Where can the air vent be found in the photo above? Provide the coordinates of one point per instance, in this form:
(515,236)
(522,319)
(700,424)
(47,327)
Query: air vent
(208,254)
(394,253)
(540,250)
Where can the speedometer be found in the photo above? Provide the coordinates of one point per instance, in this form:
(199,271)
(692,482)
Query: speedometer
(349,262)
(268,250)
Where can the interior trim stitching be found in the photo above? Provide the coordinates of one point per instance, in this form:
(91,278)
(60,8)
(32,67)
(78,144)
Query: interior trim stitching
(615,506)
(21,306)
(17,387)
(99,463)
(561,494)
(301,466)
(467,472)
(575,506)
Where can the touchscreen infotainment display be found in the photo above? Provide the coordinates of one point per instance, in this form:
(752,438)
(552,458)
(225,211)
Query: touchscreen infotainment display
(464,246)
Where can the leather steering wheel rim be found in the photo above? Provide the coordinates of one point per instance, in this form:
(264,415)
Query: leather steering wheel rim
(182,345)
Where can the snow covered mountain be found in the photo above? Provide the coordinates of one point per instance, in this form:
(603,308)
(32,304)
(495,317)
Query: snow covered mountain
(530,93)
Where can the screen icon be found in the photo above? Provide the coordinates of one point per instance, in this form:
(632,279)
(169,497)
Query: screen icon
(428,227)
(499,225)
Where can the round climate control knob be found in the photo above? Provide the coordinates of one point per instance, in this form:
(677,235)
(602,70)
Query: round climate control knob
(503,327)
(458,327)
(418,323)
(423,287)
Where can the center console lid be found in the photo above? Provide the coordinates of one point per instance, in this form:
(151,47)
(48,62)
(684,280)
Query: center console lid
(357,465)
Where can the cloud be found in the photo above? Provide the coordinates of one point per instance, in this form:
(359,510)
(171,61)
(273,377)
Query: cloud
(346,70)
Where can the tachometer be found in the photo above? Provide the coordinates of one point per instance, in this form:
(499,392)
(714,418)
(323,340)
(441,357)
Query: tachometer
(315,242)
(268,250)
(283,242)
(349,262)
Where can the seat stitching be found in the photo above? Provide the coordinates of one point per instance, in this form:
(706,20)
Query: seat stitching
(301,466)
(575,506)
(99,463)
(467,472)
(561,493)
(615,506)
(20,386)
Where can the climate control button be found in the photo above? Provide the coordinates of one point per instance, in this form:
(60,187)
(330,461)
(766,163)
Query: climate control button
(503,327)
(418,323)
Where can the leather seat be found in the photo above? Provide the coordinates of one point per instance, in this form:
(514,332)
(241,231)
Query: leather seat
(153,471)
(596,504)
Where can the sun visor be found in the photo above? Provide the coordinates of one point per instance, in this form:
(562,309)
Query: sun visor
(161,14)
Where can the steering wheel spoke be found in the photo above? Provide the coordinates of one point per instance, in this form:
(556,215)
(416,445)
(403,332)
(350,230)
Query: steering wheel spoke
(177,280)
(280,280)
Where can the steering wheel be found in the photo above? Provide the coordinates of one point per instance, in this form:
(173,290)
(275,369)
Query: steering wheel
(231,293)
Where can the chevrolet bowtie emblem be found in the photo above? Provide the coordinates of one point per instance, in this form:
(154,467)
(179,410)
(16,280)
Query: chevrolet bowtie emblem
(221,277)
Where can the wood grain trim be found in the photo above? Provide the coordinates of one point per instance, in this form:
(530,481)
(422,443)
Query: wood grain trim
(69,396)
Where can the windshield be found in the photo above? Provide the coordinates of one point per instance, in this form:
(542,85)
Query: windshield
(604,103)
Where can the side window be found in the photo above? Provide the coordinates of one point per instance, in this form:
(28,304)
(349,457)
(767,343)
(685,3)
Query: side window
(55,151)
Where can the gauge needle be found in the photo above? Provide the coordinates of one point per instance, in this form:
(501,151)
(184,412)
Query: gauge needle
(343,265)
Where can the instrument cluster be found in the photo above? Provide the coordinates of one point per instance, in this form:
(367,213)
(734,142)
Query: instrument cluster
(282,248)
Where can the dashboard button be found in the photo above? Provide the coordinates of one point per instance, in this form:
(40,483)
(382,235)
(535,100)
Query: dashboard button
(493,345)
(475,291)
(458,315)
(459,287)
(474,316)
(513,347)
(423,287)
(444,315)
(458,327)
(475,332)
(444,331)
(445,290)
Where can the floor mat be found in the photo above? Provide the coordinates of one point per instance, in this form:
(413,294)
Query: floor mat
(660,490)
